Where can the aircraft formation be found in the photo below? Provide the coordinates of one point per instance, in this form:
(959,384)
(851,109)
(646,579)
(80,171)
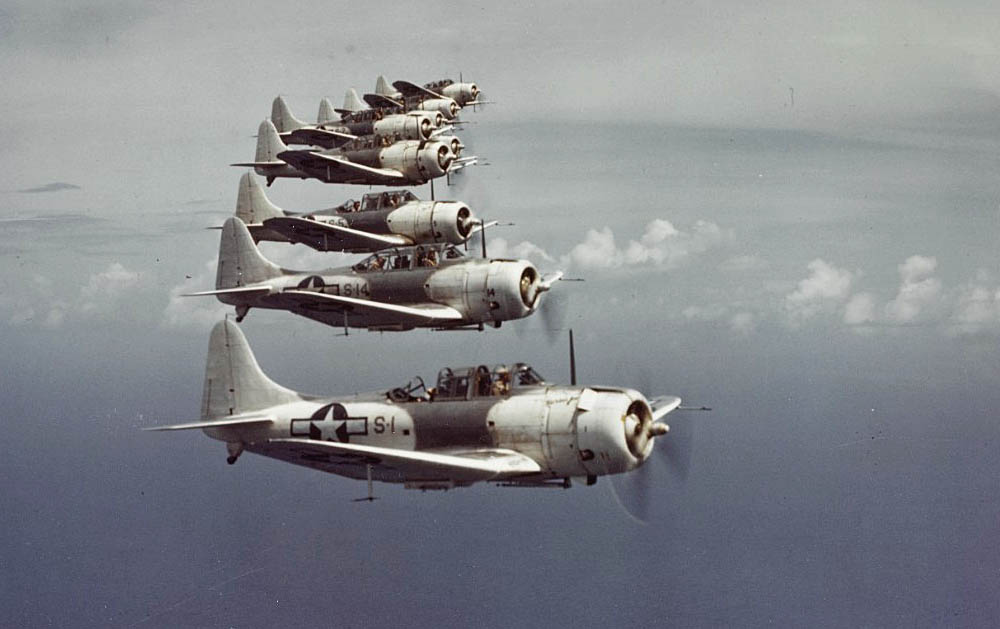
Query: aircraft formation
(502,423)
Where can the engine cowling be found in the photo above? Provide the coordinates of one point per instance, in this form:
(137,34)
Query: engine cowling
(446,106)
(462,93)
(606,430)
(418,126)
(418,161)
(512,289)
(432,221)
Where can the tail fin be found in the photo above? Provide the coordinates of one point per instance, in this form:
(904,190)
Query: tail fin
(352,102)
(326,112)
(269,144)
(240,263)
(383,88)
(282,117)
(234,383)
(252,205)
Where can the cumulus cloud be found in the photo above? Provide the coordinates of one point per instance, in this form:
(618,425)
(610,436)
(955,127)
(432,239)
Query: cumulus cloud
(200,312)
(919,293)
(662,245)
(826,287)
(104,290)
(105,293)
(977,306)
(500,248)
(860,309)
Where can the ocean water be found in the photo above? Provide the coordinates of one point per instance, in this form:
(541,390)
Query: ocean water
(845,477)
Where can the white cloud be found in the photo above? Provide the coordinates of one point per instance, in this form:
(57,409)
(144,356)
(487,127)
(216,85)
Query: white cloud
(102,292)
(919,295)
(662,245)
(500,248)
(860,309)
(201,312)
(977,307)
(825,288)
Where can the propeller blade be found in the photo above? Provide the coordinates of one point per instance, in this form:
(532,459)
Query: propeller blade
(675,446)
(553,310)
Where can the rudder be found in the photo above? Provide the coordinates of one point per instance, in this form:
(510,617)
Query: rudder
(282,117)
(252,205)
(240,262)
(269,144)
(234,382)
(352,102)
(326,112)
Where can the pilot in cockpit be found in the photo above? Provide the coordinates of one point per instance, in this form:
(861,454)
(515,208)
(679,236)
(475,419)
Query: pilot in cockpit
(501,381)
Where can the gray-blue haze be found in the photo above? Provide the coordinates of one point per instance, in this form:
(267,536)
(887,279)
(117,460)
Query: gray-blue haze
(843,479)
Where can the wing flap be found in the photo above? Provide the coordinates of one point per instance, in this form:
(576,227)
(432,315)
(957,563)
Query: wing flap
(472,465)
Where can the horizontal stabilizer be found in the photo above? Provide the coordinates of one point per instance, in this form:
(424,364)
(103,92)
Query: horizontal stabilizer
(229,422)
(259,164)
(239,290)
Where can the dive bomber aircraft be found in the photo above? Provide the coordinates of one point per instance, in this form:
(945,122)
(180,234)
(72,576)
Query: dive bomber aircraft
(503,424)
(331,131)
(379,220)
(370,160)
(432,286)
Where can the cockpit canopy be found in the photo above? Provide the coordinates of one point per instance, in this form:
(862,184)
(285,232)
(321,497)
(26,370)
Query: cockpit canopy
(387,200)
(461,383)
(404,258)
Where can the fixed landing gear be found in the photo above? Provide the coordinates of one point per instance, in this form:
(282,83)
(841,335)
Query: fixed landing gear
(235,449)
(241,313)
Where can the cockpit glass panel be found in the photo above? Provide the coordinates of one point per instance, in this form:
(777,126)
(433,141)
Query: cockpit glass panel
(526,376)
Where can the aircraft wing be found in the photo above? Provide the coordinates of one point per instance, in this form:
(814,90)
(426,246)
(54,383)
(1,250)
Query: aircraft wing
(319,137)
(314,301)
(412,90)
(377,101)
(327,237)
(322,166)
(470,466)
(663,405)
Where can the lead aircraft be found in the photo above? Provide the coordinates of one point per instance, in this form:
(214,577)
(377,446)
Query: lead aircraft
(503,424)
